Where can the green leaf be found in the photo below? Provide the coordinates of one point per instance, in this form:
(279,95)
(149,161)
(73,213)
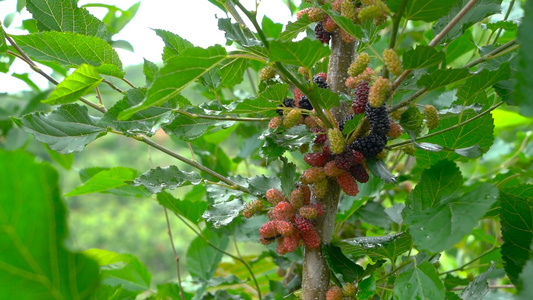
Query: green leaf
(67,129)
(427,10)
(379,169)
(147,122)
(265,103)
(437,184)
(442,78)
(235,32)
(271,29)
(442,226)
(192,210)
(422,57)
(231,71)
(294,28)
(105,180)
(259,184)
(34,263)
(64,160)
(346,24)
(3,44)
(340,264)
(421,282)
(71,49)
(477,289)
(169,177)
(325,98)
(377,247)
(65,16)
(477,132)
(411,121)
(280,139)
(352,124)
(202,259)
(304,53)
(516,215)
(150,71)
(478,83)
(221,214)
(189,127)
(288,176)
(121,270)
(123,191)
(481,10)
(174,44)
(84,79)
(178,72)
(523,90)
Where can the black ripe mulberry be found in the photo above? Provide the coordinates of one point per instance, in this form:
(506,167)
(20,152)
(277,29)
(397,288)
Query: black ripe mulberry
(320,81)
(370,145)
(360,97)
(378,118)
(287,102)
(305,103)
(321,34)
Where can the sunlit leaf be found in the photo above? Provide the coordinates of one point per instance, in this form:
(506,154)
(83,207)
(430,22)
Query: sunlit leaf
(427,10)
(422,57)
(71,49)
(304,53)
(84,79)
(169,177)
(65,16)
(105,180)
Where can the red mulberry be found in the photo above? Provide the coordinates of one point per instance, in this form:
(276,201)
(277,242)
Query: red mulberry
(359,173)
(307,231)
(360,97)
(316,159)
(283,211)
(312,175)
(274,196)
(348,184)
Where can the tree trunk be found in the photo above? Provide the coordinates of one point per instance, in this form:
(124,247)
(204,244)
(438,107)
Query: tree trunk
(315,277)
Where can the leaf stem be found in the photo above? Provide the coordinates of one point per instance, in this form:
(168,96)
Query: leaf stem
(396,24)
(191,163)
(226,253)
(447,129)
(224,118)
(495,53)
(176,257)
(470,262)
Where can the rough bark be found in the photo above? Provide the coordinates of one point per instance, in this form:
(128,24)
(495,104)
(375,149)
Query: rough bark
(315,277)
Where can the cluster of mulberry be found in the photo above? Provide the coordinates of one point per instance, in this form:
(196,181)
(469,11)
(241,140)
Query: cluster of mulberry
(291,220)
(356,11)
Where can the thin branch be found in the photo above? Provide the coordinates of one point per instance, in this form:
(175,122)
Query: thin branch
(511,4)
(436,40)
(447,129)
(470,262)
(493,286)
(494,53)
(176,257)
(113,86)
(99,97)
(396,24)
(224,118)
(194,164)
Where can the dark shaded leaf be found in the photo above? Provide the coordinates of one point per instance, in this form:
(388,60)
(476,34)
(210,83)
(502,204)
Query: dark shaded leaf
(340,264)
(516,215)
(377,247)
(67,129)
(169,177)
(260,184)
(192,210)
(221,214)
(202,259)
(421,282)
(441,78)
(477,289)
(411,121)
(523,89)
(478,83)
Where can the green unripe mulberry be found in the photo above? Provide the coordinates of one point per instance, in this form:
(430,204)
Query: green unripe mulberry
(432,116)
(359,64)
(392,61)
(336,141)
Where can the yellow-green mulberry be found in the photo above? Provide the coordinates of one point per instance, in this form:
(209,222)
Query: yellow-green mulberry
(348,10)
(267,73)
(392,61)
(292,118)
(359,64)
(336,141)
(432,116)
(369,13)
(378,91)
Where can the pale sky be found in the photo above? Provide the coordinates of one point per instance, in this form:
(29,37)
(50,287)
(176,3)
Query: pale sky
(193,20)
